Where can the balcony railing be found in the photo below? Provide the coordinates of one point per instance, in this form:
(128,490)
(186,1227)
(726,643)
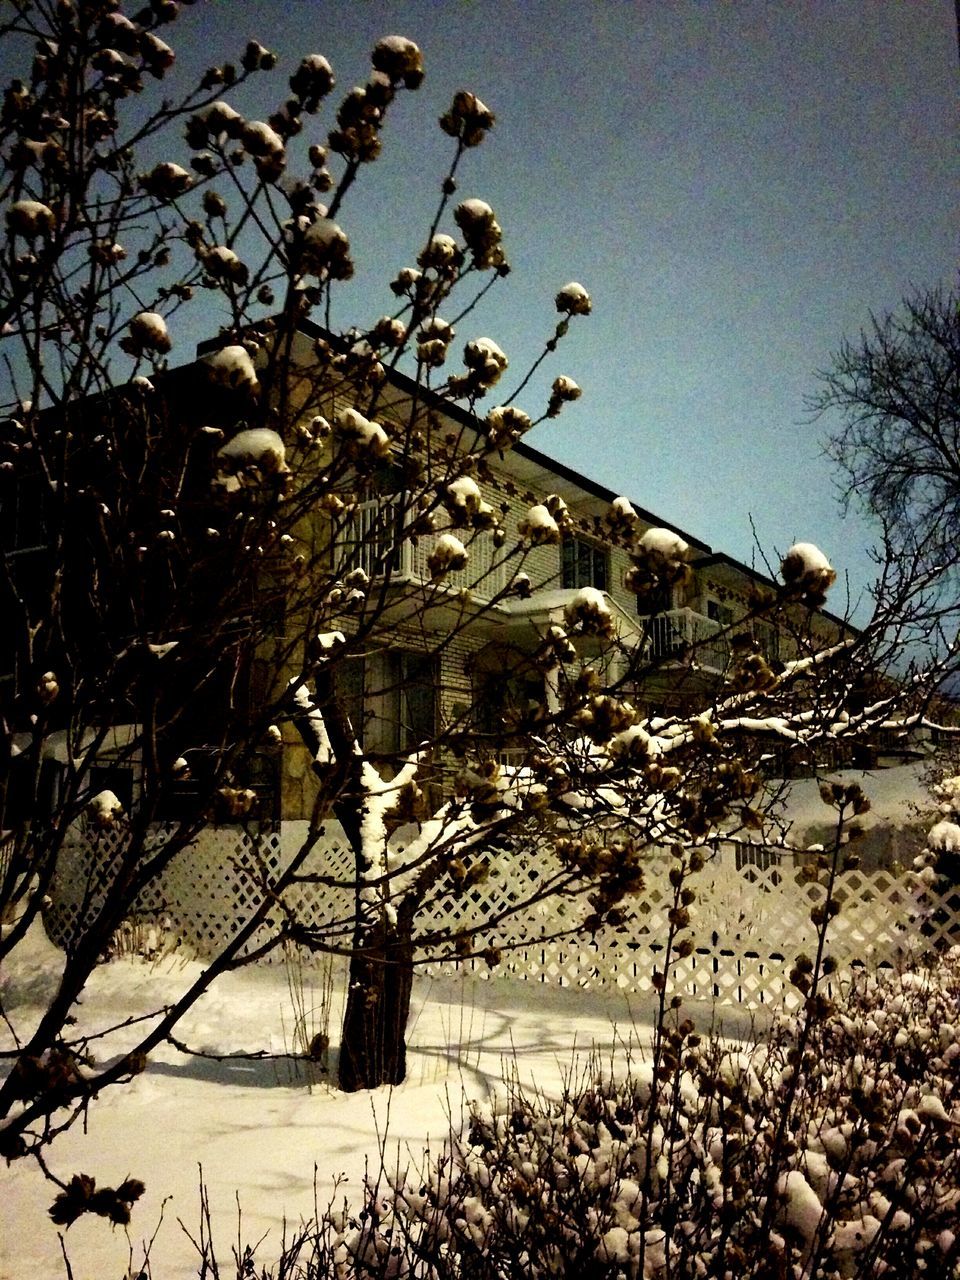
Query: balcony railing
(685,635)
(369,542)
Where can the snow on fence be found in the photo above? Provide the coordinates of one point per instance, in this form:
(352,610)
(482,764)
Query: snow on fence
(750,921)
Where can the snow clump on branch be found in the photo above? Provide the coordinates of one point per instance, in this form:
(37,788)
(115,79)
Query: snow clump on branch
(467,119)
(621,517)
(564,390)
(266,146)
(232,367)
(400,59)
(505,425)
(325,251)
(807,573)
(448,555)
(441,253)
(573,300)
(944,837)
(482,233)
(360,437)
(223,264)
(660,559)
(485,363)
(312,80)
(30,218)
(217,120)
(539,527)
(252,455)
(147,332)
(166,181)
(434,337)
(104,810)
(589,612)
(463,500)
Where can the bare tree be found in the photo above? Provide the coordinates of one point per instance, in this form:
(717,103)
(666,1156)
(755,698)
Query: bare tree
(897,392)
(217,547)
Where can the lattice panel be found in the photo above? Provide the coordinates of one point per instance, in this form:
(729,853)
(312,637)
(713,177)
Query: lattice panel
(749,923)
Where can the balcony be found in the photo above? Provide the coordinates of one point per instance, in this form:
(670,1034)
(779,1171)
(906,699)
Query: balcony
(368,542)
(686,636)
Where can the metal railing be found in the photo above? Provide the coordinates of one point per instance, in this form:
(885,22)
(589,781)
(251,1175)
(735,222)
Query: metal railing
(688,636)
(370,541)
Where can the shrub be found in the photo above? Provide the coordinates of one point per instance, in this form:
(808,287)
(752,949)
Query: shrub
(839,1160)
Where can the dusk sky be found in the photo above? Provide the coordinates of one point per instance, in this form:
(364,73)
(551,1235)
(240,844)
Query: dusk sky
(738,185)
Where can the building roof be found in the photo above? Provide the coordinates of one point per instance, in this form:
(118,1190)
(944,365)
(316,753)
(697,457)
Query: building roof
(541,471)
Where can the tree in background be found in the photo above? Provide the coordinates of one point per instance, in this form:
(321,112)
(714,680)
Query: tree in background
(896,390)
(188,574)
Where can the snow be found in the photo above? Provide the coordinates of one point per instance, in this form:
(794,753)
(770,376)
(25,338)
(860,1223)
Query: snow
(589,609)
(105,809)
(802,1209)
(361,434)
(435,327)
(666,543)
(232,367)
(944,837)
(567,389)
(441,251)
(163,650)
(30,218)
(324,234)
(168,180)
(303,699)
(808,556)
(574,300)
(506,424)
(473,211)
(464,492)
(399,59)
(223,263)
(260,1130)
(539,525)
(622,509)
(448,554)
(806,566)
(156,51)
(931,1109)
(261,140)
(486,359)
(318,66)
(148,329)
(259,447)
(220,117)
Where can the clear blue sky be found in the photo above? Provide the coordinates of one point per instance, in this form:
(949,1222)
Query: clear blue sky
(737,185)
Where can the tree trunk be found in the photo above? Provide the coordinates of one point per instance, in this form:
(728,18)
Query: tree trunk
(373,1046)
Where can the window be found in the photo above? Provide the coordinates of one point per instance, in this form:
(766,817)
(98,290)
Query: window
(767,636)
(721,613)
(583,565)
(391,699)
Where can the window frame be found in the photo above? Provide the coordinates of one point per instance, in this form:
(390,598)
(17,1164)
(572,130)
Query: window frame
(580,560)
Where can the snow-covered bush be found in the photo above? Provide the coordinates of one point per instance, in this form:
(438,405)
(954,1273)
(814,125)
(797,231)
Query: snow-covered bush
(760,1160)
(718,1167)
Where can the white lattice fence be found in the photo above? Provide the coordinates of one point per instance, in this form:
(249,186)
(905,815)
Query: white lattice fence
(209,889)
(749,923)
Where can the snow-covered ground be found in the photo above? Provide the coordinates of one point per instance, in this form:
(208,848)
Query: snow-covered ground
(265,1135)
(262,1133)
